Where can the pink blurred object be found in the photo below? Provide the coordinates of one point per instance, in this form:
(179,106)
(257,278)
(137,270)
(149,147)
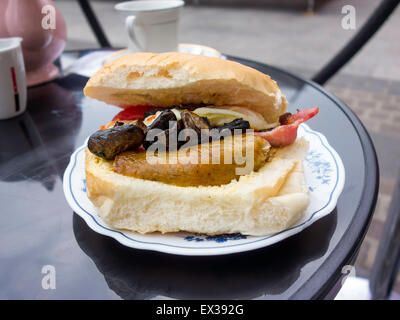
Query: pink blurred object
(44,35)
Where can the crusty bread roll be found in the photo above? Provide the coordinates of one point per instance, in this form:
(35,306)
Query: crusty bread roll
(261,203)
(174,78)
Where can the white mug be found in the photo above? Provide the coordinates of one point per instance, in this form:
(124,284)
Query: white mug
(12,78)
(152,26)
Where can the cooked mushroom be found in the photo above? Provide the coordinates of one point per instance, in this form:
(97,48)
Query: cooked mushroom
(138,122)
(110,142)
(195,122)
(162,121)
(285,118)
(163,138)
(190,106)
(167,122)
(199,124)
(235,124)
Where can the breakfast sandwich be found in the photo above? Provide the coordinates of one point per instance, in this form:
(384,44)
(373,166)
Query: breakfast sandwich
(202,145)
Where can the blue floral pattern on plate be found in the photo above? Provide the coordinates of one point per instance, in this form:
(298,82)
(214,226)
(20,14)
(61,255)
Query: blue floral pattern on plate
(320,167)
(217,238)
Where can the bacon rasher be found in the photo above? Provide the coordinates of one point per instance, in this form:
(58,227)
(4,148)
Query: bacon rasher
(287,133)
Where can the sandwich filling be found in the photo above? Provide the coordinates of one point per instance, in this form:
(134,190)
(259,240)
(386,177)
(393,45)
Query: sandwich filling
(193,145)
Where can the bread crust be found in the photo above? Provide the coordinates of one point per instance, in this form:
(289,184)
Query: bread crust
(174,78)
(261,203)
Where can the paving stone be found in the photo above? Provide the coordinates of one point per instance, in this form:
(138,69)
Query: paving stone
(386,186)
(397,286)
(388,106)
(394,88)
(382,207)
(380,116)
(363,255)
(372,104)
(375,229)
(370,245)
(390,129)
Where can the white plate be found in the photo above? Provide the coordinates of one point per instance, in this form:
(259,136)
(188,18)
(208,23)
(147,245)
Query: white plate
(325,178)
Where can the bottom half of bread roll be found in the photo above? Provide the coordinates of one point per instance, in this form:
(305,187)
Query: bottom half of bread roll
(264,202)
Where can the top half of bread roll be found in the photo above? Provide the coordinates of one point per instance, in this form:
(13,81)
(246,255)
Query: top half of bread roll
(173,78)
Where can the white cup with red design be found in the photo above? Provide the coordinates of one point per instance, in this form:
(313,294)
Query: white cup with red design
(12,78)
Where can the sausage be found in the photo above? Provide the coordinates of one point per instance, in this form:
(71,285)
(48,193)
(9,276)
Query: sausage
(110,142)
(193,171)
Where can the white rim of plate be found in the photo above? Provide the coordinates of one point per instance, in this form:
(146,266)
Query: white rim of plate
(254,243)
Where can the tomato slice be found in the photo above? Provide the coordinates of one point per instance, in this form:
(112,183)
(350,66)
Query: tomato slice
(133,113)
